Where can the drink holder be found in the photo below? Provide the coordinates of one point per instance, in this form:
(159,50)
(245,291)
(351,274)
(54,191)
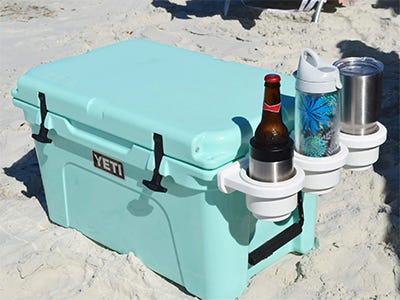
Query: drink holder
(363,149)
(269,201)
(322,173)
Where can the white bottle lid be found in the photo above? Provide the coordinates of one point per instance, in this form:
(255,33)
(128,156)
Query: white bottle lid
(315,76)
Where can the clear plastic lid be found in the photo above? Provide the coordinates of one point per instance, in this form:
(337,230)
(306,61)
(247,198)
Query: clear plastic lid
(359,66)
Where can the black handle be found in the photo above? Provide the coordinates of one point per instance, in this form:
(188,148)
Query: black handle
(43,131)
(155,183)
(270,246)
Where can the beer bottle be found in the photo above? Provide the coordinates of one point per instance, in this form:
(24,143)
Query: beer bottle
(271,148)
(271,130)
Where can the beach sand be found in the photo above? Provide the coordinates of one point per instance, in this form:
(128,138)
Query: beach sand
(357,231)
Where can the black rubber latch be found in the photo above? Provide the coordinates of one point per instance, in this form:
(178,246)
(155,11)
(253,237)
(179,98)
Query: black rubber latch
(43,131)
(270,246)
(155,183)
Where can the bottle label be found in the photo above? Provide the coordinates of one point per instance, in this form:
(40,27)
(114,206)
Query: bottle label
(317,121)
(275,108)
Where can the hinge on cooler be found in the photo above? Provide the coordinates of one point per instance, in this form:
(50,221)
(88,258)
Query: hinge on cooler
(43,131)
(270,246)
(155,182)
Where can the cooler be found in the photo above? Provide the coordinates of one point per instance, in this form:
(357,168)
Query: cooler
(130,139)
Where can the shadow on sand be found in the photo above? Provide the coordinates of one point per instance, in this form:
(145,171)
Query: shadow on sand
(246,11)
(205,8)
(393,4)
(388,163)
(26,170)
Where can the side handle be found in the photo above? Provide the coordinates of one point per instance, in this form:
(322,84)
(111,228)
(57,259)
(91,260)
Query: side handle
(282,238)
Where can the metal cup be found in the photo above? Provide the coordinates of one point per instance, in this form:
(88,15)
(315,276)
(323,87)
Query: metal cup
(271,164)
(360,97)
(271,171)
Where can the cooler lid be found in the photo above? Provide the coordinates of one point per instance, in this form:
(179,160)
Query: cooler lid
(205,109)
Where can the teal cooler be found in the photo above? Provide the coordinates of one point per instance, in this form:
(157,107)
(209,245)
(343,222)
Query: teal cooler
(130,139)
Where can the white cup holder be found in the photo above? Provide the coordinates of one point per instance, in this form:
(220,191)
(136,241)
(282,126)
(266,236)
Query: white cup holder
(322,174)
(363,149)
(267,201)
(275,201)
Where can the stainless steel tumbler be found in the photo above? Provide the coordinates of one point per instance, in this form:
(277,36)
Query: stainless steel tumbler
(360,97)
(271,164)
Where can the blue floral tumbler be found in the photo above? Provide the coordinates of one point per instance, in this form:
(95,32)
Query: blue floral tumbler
(317,121)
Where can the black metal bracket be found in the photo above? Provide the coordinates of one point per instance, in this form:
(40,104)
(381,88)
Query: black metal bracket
(43,131)
(270,246)
(155,183)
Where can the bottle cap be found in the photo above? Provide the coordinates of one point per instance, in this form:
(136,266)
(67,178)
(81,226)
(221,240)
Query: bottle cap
(272,78)
(315,76)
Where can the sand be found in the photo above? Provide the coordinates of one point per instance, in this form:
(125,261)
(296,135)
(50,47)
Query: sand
(357,231)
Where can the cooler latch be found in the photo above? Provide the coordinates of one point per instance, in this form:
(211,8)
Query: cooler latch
(42,135)
(155,182)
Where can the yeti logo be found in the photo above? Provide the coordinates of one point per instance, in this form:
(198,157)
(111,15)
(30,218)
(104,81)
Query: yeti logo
(108,164)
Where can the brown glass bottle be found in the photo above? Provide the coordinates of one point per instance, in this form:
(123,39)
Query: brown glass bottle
(271,148)
(271,130)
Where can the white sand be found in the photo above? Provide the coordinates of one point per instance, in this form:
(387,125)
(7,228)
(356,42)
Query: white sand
(357,224)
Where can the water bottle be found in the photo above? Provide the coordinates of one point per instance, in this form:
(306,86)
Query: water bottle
(316,130)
